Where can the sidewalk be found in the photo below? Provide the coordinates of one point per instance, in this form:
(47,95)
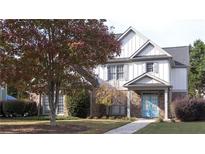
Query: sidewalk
(131,127)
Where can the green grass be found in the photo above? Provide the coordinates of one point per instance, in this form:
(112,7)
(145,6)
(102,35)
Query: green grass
(174,128)
(37,118)
(65,126)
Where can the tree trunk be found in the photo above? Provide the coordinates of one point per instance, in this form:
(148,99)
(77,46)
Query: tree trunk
(39,105)
(51,91)
(93,103)
(53,97)
(53,119)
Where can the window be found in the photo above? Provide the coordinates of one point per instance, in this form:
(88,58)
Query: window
(46,108)
(112,72)
(120,72)
(117,110)
(60,108)
(115,72)
(149,67)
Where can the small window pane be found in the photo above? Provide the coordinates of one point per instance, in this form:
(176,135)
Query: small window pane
(112,74)
(115,110)
(122,110)
(149,67)
(120,72)
(60,105)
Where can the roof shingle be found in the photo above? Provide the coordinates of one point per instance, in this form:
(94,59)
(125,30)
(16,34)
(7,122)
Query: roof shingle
(180,54)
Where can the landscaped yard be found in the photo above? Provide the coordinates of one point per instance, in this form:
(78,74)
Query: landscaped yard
(84,126)
(174,128)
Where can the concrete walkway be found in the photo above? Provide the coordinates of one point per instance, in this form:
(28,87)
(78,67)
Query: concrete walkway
(131,127)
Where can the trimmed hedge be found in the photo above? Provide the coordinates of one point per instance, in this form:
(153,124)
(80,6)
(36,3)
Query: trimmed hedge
(79,104)
(1,108)
(31,108)
(16,108)
(190,109)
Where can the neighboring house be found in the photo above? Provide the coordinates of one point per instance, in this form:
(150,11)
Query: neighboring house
(156,75)
(3,93)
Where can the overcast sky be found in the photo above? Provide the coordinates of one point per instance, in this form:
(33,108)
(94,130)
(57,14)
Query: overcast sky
(166,22)
(164,33)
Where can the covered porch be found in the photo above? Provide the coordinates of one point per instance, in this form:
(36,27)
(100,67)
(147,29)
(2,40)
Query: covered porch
(154,97)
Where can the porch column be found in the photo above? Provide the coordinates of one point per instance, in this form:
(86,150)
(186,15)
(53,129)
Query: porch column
(166,104)
(128,103)
(91,103)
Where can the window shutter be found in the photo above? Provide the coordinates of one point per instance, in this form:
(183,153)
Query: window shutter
(126,72)
(144,68)
(105,73)
(156,67)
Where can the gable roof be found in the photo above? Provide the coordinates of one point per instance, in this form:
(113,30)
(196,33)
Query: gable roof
(159,82)
(135,31)
(145,45)
(180,55)
(147,41)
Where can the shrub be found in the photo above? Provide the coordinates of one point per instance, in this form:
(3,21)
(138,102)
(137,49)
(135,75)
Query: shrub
(1,108)
(19,108)
(31,108)
(160,119)
(78,104)
(190,109)
(13,108)
(112,117)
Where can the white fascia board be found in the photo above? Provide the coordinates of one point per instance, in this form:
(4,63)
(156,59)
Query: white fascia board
(139,50)
(137,32)
(145,44)
(149,75)
(159,48)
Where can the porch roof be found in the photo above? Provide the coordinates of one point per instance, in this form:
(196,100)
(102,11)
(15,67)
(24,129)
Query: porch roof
(147,81)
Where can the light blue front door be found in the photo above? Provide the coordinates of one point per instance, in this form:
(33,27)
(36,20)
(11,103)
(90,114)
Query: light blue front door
(150,106)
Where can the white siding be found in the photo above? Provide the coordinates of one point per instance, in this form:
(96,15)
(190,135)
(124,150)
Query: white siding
(99,71)
(179,79)
(146,80)
(150,50)
(162,73)
(136,69)
(130,43)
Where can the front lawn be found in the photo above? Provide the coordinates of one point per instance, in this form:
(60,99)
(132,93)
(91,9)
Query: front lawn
(80,126)
(174,128)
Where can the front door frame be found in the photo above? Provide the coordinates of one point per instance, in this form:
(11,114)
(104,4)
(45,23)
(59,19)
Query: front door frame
(151,93)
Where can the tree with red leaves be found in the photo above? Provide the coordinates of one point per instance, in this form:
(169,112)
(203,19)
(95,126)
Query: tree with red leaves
(52,56)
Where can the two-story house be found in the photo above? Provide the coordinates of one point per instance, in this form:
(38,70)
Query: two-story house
(150,76)
(157,75)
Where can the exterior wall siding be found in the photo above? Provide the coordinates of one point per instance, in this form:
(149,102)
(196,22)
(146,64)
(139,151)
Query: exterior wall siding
(134,70)
(130,43)
(179,79)
(150,50)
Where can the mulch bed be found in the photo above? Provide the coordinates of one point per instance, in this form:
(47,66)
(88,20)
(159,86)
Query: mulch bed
(42,129)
